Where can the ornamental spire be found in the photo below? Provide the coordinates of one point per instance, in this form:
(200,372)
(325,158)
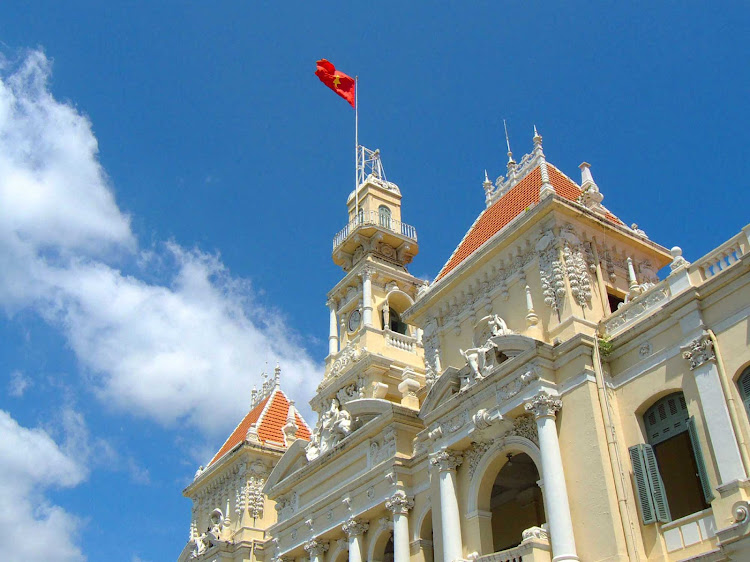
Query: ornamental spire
(547,187)
(511,162)
(487,184)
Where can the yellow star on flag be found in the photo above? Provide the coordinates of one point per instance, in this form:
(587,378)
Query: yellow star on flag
(336,81)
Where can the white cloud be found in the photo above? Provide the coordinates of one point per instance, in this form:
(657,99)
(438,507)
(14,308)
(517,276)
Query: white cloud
(18,384)
(31,462)
(187,350)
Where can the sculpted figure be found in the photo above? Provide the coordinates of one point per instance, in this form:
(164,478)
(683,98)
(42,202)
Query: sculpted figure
(498,326)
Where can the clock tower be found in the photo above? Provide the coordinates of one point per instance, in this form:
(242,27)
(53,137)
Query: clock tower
(372,352)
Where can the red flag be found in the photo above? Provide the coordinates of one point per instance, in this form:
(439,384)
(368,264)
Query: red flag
(339,82)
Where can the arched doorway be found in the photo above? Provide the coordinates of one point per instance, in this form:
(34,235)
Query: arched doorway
(388,554)
(426,538)
(516,501)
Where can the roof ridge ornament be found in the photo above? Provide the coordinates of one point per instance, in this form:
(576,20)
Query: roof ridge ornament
(511,163)
(488,188)
(591,197)
(547,188)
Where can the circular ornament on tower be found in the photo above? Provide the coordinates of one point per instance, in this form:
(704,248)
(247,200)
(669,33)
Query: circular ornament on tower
(355,317)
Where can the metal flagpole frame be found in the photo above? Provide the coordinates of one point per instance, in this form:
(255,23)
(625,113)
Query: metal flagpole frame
(356,148)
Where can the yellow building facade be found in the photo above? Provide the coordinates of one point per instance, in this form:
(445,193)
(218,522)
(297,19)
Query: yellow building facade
(546,398)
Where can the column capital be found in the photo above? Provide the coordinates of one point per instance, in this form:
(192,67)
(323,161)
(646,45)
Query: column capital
(331,303)
(314,547)
(367,272)
(399,503)
(699,351)
(446,460)
(354,527)
(543,405)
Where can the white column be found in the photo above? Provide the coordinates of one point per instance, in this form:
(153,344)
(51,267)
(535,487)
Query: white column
(367,295)
(700,355)
(399,504)
(333,334)
(543,406)
(315,549)
(446,463)
(354,530)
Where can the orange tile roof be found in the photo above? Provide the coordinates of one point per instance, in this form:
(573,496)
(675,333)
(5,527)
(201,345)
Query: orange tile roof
(520,197)
(270,417)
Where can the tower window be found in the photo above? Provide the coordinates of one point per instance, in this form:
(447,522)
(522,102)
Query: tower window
(384,216)
(395,324)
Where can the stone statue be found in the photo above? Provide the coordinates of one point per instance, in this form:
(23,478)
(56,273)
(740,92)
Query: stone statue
(498,327)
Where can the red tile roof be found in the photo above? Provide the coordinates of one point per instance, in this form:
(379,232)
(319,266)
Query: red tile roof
(270,417)
(520,197)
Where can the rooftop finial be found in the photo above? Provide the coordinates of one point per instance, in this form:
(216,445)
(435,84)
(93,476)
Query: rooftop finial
(277,375)
(511,162)
(488,187)
(547,187)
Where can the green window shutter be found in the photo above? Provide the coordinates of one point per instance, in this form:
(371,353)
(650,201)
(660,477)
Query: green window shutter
(744,383)
(656,485)
(699,462)
(642,488)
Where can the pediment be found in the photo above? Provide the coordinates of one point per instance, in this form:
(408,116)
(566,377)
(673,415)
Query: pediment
(291,461)
(445,387)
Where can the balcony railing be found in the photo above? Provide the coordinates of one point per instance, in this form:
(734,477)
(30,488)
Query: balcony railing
(724,256)
(374,218)
(400,341)
(534,548)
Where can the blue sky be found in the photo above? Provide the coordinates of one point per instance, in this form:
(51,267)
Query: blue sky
(171,176)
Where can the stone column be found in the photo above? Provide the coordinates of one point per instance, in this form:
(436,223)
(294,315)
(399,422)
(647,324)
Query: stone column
(399,504)
(367,295)
(315,549)
(700,355)
(544,406)
(354,530)
(446,462)
(333,336)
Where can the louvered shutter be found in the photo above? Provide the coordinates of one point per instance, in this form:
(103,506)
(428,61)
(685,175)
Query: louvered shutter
(643,491)
(744,383)
(656,485)
(652,500)
(699,462)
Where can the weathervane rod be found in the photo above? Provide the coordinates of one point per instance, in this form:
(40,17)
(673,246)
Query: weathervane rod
(507,140)
(356,147)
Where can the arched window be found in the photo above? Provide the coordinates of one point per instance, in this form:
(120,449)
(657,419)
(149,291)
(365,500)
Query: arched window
(395,323)
(744,384)
(669,471)
(384,216)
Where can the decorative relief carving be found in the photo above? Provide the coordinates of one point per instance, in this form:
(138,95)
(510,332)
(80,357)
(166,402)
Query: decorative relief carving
(286,506)
(543,405)
(517,384)
(431,344)
(699,351)
(383,448)
(315,548)
(350,354)
(250,497)
(645,349)
(455,423)
(638,307)
(446,460)
(525,426)
(399,503)
(332,427)
(578,275)
(535,533)
(474,454)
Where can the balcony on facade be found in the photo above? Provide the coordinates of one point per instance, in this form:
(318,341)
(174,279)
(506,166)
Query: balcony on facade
(367,223)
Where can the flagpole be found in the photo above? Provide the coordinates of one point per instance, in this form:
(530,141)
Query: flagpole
(356,147)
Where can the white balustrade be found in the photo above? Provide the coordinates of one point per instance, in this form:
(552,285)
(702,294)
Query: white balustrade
(723,257)
(375,219)
(400,341)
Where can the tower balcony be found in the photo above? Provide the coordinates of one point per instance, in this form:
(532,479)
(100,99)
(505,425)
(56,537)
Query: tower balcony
(396,232)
